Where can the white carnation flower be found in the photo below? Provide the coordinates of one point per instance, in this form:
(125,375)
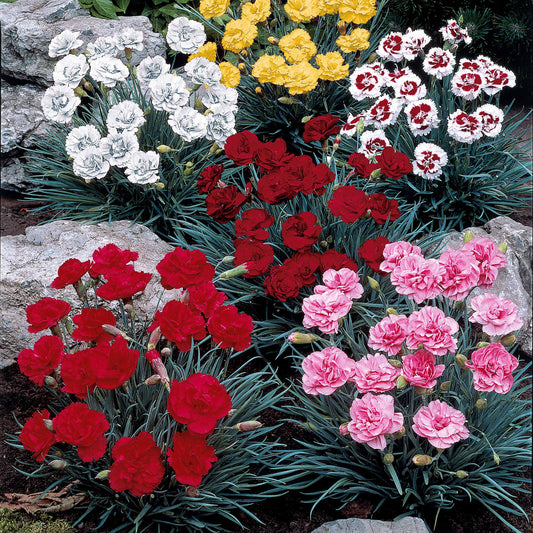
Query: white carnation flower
(219,127)
(80,138)
(384,112)
(218,98)
(373,143)
(188,123)
(151,68)
(143,167)
(366,82)
(185,36)
(413,42)
(429,160)
(350,127)
(90,164)
(125,116)
(491,119)
(409,88)
(131,38)
(168,92)
(422,116)
(439,63)
(464,127)
(103,47)
(70,70)
(118,147)
(59,103)
(201,70)
(62,44)
(391,47)
(109,70)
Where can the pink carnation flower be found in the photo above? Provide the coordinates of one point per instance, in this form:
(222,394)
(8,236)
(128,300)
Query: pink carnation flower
(432,328)
(498,316)
(461,273)
(493,368)
(344,280)
(440,424)
(324,310)
(418,278)
(326,371)
(419,369)
(373,373)
(488,257)
(373,417)
(394,252)
(389,334)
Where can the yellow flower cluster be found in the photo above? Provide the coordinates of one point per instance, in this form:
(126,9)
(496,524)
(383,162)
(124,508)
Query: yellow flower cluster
(213,8)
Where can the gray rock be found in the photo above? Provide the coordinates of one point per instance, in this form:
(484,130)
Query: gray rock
(30,263)
(28,26)
(359,525)
(12,176)
(513,281)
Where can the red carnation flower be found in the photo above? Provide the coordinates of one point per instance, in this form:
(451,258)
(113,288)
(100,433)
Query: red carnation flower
(46,313)
(137,465)
(42,360)
(336,261)
(205,298)
(253,224)
(320,128)
(90,322)
(361,165)
(77,373)
(230,329)
(124,284)
(82,427)
(301,231)
(283,282)
(272,155)
(372,253)
(242,147)
(199,401)
(181,269)
(191,458)
(36,437)
(299,171)
(256,255)
(179,324)
(348,203)
(306,263)
(274,188)
(209,177)
(110,259)
(70,272)
(393,164)
(318,179)
(383,208)
(224,204)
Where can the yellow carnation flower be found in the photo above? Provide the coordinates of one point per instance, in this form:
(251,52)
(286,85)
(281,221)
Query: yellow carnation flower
(259,11)
(355,41)
(332,66)
(207,50)
(238,35)
(270,69)
(231,75)
(301,78)
(213,8)
(331,6)
(297,46)
(301,10)
(357,11)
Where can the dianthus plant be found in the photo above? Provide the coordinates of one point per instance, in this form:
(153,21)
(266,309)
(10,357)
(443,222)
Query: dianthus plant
(153,419)
(421,409)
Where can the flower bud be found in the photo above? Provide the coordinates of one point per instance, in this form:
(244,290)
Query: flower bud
(373,57)
(482,344)
(259,91)
(461,474)
(374,175)
(508,340)
(502,247)
(51,382)
(460,359)
(164,149)
(244,52)
(287,100)
(188,171)
(231,412)
(273,40)
(445,385)
(249,425)
(388,459)
(399,434)
(192,492)
(154,338)
(166,352)
(242,67)
(88,86)
(496,458)
(460,305)
(58,464)
(78,91)
(104,474)
(359,128)
(422,391)
(234,272)
(374,285)
(48,424)
(422,460)
(306,119)
(468,236)
(481,404)
(342,27)
(343,429)
(296,337)
(401,382)
(153,380)
(228,259)
(391,311)
(396,363)
(159,185)
(213,148)
(112,330)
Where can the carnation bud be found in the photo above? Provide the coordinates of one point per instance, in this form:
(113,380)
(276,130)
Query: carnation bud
(273,40)
(461,474)
(482,344)
(502,247)
(213,148)
(112,330)
(391,311)
(228,259)
(154,338)
(104,474)
(445,385)
(496,458)
(481,404)
(423,391)
(188,170)
(192,492)
(297,337)
(48,424)
(166,352)
(399,434)
(164,149)
(422,460)
(460,359)
(508,340)
(461,19)
(388,459)
(373,57)
(396,363)
(231,412)
(159,185)
(374,285)
(374,175)
(244,53)
(128,53)
(51,382)
(58,464)
(88,86)
(242,68)
(147,111)
(249,425)
(287,100)
(78,91)
(401,382)
(460,305)
(360,126)
(234,272)
(469,235)
(259,91)
(342,27)
(153,380)
(273,22)
(343,429)
(324,244)
(306,119)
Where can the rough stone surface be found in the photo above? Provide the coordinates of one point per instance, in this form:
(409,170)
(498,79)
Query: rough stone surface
(359,525)
(513,281)
(28,26)
(30,263)
(12,176)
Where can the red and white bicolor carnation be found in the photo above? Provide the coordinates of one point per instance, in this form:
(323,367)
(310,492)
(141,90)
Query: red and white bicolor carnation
(409,88)
(422,116)
(414,42)
(376,66)
(438,63)
(366,82)
(395,76)
(467,84)
(350,127)
(429,160)
(373,143)
(391,47)
(384,112)
(496,78)
(454,34)
(464,127)
(491,118)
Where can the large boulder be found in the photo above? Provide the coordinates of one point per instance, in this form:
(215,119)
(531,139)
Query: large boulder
(30,263)
(360,525)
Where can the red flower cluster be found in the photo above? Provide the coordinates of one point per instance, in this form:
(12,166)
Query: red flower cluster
(393,164)
(46,313)
(371,251)
(320,128)
(256,255)
(36,437)
(209,178)
(300,232)
(90,322)
(181,269)
(69,273)
(223,204)
(253,224)
(42,360)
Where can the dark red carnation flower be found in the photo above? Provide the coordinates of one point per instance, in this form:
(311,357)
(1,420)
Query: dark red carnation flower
(137,465)
(42,360)
(110,259)
(77,373)
(336,261)
(179,324)
(348,203)
(191,458)
(70,272)
(90,322)
(230,329)
(124,284)
(209,177)
(46,313)
(257,256)
(272,155)
(205,298)
(306,263)
(82,427)
(299,170)
(274,188)
(393,164)
(361,165)
(371,251)
(36,437)
(224,204)
(283,282)
(181,269)
(242,147)
(253,224)
(199,401)
(318,179)
(301,231)
(383,208)
(320,128)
